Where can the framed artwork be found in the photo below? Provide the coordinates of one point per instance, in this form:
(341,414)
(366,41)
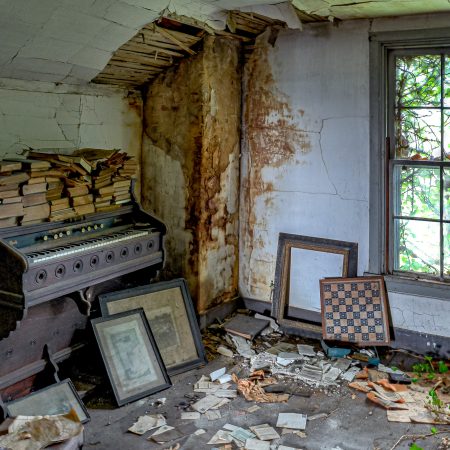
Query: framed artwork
(58,398)
(131,356)
(355,310)
(302,261)
(171,316)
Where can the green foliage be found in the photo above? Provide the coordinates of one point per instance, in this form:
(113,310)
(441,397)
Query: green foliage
(442,367)
(414,446)
(434,400)
(433,430)
(418,119)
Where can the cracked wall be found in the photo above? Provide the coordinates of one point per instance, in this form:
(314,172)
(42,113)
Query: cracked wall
(40,115)
(191,168)
(305,155)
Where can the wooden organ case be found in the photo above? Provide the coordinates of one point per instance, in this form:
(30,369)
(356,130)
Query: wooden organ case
(51,272)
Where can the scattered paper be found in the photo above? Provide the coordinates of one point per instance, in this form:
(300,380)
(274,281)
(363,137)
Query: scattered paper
(213,414)
(206,403)
(265,432)
(241,434)
(221,437)
(230,427)
(163,429)
(147,423)
(222,403)
(194,415)
(167,435)
(307,350)
(217,374)
(256,444)
(199,432)
(292,420)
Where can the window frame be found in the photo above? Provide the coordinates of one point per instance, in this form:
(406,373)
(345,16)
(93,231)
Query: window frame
(380,218)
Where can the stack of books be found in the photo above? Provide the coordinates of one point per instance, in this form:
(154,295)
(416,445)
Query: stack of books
(55,187)
(11,207)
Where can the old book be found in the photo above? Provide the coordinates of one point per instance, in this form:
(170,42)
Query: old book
(10,166)
(60,201)
(60,207)
(107,208)
(8,194)
(91,154)
(36,180)
(82,200)
(34,199)
(121,183)
(77,191)
(246,326)
(36,212)
(7,201)
(9,187)
(48,173)
(30,164)
(101,204)
(121,202)
(54,194)
(34,188)
(118,198)
(103,183)
(106,190)
(8,222)
(103,198)
(55,185)
(71,159)
(51,179)
(84,209)
(32,222)
(11,210)
(14,178)
(62,214)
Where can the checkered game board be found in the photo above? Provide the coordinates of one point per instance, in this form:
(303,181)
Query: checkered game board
(354,310)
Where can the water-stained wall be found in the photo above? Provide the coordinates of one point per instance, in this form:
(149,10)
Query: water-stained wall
(190,168)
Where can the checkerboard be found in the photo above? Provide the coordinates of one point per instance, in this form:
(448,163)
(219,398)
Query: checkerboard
(354,310)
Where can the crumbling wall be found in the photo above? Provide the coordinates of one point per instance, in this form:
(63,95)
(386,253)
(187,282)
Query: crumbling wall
(191,168)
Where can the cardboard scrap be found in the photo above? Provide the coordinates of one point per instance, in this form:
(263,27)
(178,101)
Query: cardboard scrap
(256,444)
(292,420)
(147,423)
(37,432)
(253,392)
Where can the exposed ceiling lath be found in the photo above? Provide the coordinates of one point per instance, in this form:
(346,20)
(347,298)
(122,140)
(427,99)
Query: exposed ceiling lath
(161,44)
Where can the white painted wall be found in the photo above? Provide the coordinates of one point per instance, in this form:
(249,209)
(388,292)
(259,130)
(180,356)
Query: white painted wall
(323,73)
(42,115)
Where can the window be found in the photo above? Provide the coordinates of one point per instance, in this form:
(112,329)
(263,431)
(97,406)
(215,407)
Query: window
(410,160)
(419,151)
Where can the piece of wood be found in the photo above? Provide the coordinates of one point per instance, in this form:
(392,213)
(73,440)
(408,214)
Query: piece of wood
(246,326)
(175,39)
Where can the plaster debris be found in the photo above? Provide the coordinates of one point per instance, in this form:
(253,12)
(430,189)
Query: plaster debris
(242,346)
(307,350)
(292,420)
(224,378)
(217,374)
(317,416)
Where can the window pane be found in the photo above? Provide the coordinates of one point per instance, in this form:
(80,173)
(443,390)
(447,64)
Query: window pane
(446,212)
(446,250)
(418,246)
(418,80)
(418,134)
(447,81)
(447,135)
(418,192)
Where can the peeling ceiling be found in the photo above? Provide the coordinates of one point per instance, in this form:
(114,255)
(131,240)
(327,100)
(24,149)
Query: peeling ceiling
(72,41)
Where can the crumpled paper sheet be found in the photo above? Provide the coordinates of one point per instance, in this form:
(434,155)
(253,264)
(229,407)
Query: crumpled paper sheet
(37,432)
(253,392)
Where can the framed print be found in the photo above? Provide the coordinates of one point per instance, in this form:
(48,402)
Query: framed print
(58,398)
(355,310)
(302,261)
(131,356)
(171,316)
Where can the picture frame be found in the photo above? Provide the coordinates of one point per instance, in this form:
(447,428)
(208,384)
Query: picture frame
(58,398)
(170,313)
(298,319)
(355,310)
(130,354)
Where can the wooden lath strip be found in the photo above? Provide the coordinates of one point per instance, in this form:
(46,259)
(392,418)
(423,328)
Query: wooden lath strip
(133,65)
(143,46)
(182,37)
(167,34)
(142,57)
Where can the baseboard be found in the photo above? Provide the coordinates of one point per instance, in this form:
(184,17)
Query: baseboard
(218,312)
(422,343)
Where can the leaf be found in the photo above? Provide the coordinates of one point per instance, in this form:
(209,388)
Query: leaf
(442,367)
(414,446)
(433,430)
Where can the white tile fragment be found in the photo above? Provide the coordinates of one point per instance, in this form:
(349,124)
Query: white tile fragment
(217,373)
(224,378)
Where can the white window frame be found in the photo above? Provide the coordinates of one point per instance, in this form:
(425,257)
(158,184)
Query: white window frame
(380,257)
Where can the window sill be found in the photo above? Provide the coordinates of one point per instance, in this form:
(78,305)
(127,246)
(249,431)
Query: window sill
(418,288)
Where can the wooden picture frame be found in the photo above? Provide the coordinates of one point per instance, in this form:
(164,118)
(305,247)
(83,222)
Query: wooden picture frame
(132,359)
(58,398)
(299,320)
(170,313)
(355,310)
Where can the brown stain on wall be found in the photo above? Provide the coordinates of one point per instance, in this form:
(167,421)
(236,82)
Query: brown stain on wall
(192,122)
(270,136)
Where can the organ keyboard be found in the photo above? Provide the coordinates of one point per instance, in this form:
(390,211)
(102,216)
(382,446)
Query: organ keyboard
(51,272)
